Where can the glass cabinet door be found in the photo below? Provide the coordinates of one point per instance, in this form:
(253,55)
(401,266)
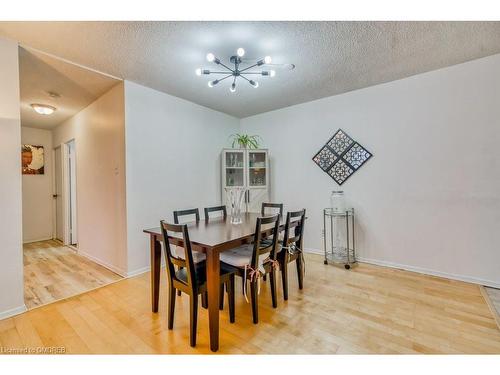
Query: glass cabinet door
(234,164)
(257,169)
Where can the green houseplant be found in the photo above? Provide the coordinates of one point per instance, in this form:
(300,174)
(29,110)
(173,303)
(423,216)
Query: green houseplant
(246,141)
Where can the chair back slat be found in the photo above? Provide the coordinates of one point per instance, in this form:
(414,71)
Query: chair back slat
(215,209)
(187,262)
(272,235)
(294,229)
(191,211)
(272,206)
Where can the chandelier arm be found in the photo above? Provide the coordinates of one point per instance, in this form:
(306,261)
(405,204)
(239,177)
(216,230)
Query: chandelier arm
(249,67)
(228,68)
(251,73)
(245,79)
(222,79)
(218,72)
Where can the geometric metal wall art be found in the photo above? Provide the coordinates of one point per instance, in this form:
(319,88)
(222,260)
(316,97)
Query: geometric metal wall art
(341,156)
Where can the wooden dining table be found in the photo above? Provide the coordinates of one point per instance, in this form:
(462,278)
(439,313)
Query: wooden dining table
(212,238)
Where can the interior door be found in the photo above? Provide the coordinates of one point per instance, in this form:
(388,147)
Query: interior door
(58,193)
(72,192)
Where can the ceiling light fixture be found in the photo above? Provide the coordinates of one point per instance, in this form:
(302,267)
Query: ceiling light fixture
(43,109)
(237,71)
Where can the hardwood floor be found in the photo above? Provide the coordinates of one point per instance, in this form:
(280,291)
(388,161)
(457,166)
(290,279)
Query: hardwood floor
(53,272)
(369,309)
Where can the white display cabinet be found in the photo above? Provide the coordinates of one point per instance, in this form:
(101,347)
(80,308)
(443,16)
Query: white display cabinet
(248,169)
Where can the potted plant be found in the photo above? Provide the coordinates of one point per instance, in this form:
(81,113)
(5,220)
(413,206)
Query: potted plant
(246,141)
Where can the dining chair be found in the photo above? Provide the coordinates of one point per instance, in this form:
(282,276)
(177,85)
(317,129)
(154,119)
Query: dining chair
(272,206)
(198,257)
(190,278)
(292,248)
(249,263)
(215,209)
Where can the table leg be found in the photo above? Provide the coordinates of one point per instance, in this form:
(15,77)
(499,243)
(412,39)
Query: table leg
(155,271)
(213,282)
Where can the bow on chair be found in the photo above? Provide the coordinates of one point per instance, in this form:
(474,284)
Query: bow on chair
(274,263)
(254,276)
(293,249)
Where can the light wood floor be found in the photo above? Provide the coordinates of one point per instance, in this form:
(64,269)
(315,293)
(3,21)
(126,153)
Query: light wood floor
(366,310)
(53,272)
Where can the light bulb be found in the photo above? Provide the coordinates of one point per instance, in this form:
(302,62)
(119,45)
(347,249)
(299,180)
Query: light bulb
(240,52)
(233,87)
(210,84)
(210,57)
(272,73)
(267,59)
(213,83)
(254,84)
(198,72)
(43,109)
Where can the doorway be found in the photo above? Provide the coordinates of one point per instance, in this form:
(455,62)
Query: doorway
(65,194)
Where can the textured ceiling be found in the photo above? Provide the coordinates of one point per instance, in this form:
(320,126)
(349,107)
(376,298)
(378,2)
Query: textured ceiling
(41,74)
(330,57)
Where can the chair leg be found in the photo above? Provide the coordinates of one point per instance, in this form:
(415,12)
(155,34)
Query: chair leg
(265,277)
(204,300)
(193,313)
(284,278)
(221,297)
(230,298)
(255,301)
(171,307)
(300,272)
(272,278)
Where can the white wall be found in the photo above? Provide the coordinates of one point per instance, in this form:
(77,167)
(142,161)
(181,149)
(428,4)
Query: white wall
(99,133)
(37,190)
(11,258)
(429,199)
(173,161)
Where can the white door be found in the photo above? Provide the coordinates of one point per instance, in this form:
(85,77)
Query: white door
(58,193)
(72,192)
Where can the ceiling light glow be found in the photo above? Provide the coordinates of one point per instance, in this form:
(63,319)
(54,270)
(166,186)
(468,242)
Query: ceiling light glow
(43,109)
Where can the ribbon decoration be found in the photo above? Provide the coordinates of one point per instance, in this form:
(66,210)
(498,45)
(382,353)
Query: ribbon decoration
(254,276)
(293,249)
(274,263)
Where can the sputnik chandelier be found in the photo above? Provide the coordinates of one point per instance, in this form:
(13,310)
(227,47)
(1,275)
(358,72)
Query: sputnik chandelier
(237,71)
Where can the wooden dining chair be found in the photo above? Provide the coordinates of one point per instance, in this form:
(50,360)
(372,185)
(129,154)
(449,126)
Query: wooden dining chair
(292,248)
(272,207)
(191,211)
(250,263)
(215,209)
(190,278)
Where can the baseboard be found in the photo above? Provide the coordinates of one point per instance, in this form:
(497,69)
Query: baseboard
(138,271)
(427,271)
(39,240)
(110,267)
(15,311)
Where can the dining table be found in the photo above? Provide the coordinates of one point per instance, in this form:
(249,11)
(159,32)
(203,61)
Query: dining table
(210,237)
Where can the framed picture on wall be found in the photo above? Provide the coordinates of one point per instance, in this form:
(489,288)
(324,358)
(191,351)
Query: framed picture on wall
(32,159)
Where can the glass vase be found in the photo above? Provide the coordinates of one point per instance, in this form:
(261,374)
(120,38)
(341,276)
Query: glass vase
(235,201)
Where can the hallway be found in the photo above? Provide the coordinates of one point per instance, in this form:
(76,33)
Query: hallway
(53,272)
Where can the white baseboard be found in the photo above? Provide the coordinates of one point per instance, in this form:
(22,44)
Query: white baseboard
(426,271)
(138,271)
(110,267)
(431,272)
(15,311)
(38,240)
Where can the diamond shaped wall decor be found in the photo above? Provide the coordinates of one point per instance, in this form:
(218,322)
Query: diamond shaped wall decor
(341,156)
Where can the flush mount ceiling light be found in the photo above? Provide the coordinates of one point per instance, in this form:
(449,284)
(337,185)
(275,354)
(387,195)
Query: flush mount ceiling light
(237,71)
(43,109)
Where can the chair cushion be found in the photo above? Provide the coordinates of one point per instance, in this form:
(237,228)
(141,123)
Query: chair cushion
(201,274)
(197,256)
(241,256)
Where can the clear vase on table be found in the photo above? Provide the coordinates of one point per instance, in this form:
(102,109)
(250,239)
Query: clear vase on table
(235,202)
